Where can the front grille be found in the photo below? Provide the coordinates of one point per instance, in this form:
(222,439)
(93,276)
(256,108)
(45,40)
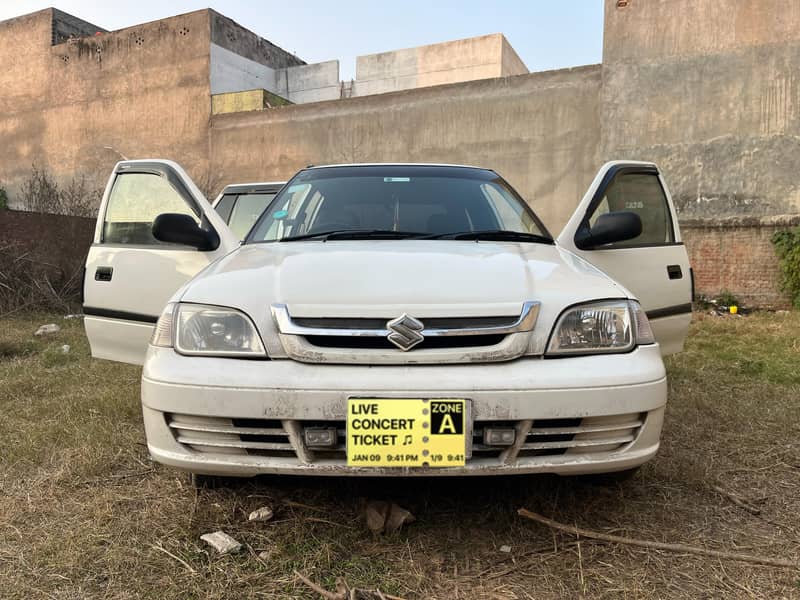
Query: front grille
(231,436)
(379,343)
(435,339)
(431,323)
(271,438)
(592,434)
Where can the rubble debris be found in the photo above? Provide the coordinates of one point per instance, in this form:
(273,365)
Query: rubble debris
(221,542)
(386,517)
(49,328)
(505,549)
(261,514)
(65,349)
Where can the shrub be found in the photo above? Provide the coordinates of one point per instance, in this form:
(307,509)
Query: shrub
(787,247)
(726,298)
(41,193)
(3,199)
(29,283)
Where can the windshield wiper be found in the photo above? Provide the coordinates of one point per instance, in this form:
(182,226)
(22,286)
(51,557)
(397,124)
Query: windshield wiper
(492,234)
(355,234)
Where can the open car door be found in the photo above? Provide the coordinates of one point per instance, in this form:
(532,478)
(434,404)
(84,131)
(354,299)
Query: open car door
(654,265)
(130,275)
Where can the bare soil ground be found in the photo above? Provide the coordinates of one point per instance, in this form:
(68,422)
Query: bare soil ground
(85,514)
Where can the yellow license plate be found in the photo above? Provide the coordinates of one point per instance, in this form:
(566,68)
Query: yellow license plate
(393,432)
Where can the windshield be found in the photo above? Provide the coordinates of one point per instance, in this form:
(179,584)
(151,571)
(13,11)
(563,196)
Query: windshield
(414,200)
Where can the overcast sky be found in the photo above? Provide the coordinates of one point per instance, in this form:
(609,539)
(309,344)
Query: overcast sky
(547,34)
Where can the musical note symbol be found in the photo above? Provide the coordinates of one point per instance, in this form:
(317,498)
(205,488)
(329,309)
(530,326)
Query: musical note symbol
(407,439)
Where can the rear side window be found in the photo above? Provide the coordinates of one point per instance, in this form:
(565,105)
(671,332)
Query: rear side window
(642,194)
(225,206)
(245,211)
(135,201)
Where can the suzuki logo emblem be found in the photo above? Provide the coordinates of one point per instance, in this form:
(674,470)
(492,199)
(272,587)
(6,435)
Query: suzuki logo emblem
(405,332)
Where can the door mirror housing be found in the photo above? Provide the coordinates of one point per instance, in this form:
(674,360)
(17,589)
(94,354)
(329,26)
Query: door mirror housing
(609,228)
(176,228)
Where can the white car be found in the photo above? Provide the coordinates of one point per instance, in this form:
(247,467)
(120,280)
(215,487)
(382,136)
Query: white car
(241,204)
(392,319)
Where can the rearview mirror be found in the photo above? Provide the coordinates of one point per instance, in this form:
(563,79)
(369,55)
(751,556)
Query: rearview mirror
(609,227)
(175,228)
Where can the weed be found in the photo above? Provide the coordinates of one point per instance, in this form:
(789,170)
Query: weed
(41,193)
(726,298)
(787,247)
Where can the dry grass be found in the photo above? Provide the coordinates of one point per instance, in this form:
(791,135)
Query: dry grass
(84,514)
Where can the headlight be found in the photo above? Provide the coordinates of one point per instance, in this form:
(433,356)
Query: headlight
(600,327)
(162,334)
(202,330)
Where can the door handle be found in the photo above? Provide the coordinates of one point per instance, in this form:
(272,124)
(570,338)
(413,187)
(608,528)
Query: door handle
(674,272)
(103,273)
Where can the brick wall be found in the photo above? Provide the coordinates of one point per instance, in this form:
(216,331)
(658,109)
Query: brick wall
(737,255)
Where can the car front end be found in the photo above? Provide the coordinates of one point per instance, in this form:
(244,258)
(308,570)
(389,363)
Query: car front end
(243,379)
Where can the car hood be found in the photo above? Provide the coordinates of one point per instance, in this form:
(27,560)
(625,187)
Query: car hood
(386,278)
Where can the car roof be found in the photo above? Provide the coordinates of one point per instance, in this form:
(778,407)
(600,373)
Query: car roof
(254,188)
(396,164)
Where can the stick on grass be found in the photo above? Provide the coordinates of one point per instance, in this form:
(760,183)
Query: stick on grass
(682,548)
(318,589)
(180,560)
(736,500)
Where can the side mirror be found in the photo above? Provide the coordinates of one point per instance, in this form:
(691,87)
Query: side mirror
(609,227)
(175,228)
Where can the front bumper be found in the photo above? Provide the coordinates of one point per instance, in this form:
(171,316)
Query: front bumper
(582,395)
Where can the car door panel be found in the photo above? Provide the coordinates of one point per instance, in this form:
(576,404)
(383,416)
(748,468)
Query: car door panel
(130,276)
(654,267)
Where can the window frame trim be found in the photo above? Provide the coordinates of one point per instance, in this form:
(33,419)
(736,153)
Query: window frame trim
(600,193)
(174,181)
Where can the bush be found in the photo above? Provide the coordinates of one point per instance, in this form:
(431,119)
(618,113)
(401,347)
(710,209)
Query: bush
(726,298)
(29,283)
(41,193)
(3,199)
(787,247)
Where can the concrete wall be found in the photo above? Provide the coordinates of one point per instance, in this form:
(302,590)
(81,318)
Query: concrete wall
(66,26)
(461,60)
(310,83)
(709,90)
(241,60)
(231,72)
(62,105)
(233,102)
(540,131)
(228,34)
(511,63)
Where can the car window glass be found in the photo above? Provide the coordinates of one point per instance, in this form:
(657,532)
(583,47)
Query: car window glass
(640,193)
(245,212)
(224,206)
(135,201)
(392,201)
(506,210)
